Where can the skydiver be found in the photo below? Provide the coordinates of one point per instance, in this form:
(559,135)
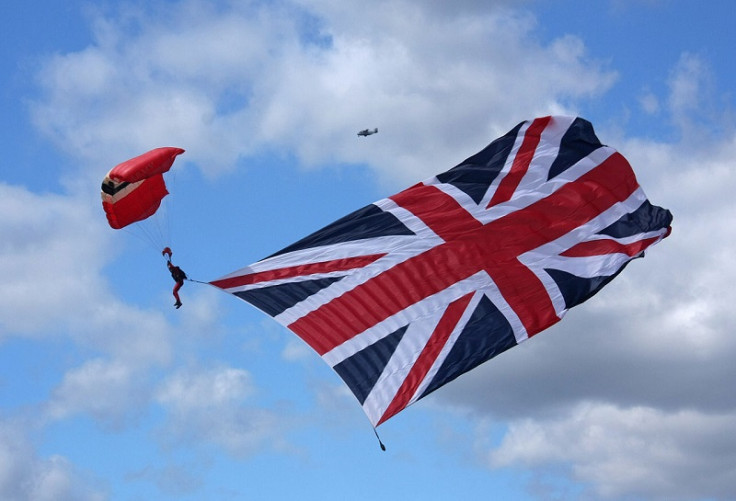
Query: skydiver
(177,274)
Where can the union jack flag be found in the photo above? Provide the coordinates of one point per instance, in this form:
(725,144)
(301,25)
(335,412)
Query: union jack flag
(408,293)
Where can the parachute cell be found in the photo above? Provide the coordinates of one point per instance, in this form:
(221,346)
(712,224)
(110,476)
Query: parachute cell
(132,191)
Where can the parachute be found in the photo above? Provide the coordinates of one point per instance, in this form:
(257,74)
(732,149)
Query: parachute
(132,191)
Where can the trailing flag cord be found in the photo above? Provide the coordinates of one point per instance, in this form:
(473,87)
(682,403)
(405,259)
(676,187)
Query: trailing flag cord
(383,447)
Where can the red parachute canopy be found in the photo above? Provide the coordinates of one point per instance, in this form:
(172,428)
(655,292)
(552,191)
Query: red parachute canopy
(132,191)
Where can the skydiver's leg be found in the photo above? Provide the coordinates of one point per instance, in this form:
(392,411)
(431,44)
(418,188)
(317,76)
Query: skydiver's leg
(176,293)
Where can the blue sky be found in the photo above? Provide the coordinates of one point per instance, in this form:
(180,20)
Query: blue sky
(107,392)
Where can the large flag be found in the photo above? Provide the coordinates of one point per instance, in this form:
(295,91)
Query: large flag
(408,293)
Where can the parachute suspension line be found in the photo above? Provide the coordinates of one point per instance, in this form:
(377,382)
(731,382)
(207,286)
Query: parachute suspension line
(144,234)
(151,230)
(156,230)
(157,227)
(168,206)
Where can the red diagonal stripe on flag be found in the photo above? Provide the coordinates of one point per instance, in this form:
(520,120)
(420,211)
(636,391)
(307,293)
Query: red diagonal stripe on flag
(606,246)
(523,159)
(296,271)
(427,357)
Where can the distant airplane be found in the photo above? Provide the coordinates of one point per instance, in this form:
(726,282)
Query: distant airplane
(367,132)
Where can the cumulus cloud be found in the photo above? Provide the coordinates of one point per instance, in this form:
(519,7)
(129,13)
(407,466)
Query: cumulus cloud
(211,406)
(109,391)
(636,451)
(52,254)
(234,81)
(48,259)
(201,390)
(649,103)
(51,257)
(296,350)
(25,475)
(694,104)
(686,87)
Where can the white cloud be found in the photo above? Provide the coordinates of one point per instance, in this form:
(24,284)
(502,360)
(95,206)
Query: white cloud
(109,391)
(649,103)
(635,451)
(686,86)
(51,258)
(205,390)
(175,480)
(231,82)
(48,259)
(700,113)
(210,406)
(25,475)
(52,255)
(295,350)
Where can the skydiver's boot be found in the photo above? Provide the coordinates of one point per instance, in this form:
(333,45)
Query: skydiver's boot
(177,305)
